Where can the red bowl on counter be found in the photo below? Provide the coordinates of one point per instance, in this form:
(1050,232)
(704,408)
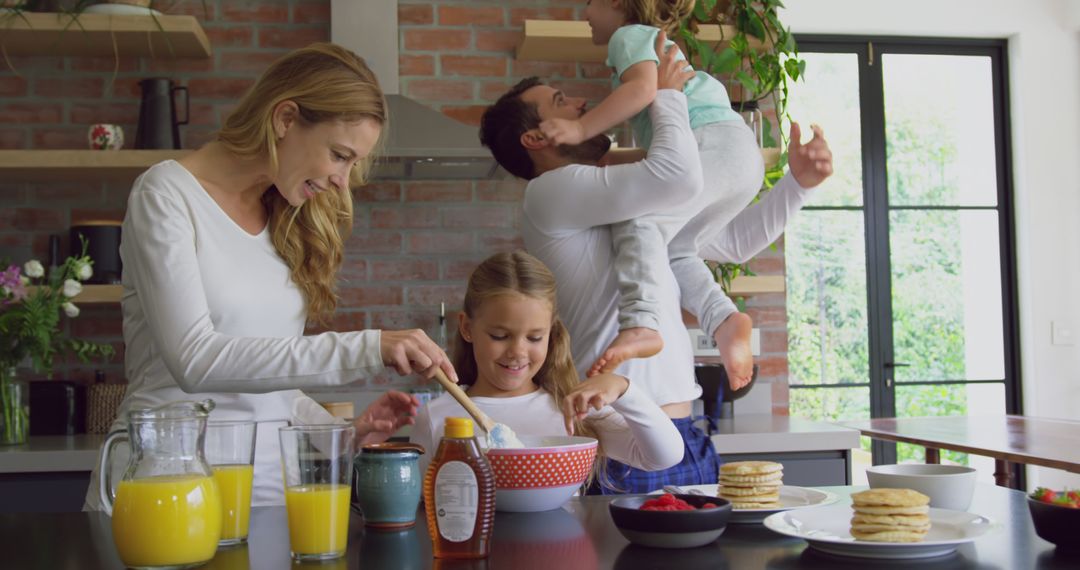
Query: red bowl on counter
(543,475)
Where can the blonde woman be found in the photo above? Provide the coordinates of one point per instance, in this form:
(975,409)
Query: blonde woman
(229,251)
(513,353)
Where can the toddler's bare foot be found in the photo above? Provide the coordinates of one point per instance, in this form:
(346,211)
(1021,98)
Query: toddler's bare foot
(733,340)
(637,342)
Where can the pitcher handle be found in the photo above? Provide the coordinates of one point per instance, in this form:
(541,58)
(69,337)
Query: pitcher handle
(187,104)
(108,494)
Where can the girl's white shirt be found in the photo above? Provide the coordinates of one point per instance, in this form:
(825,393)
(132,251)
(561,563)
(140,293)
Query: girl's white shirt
(633,429)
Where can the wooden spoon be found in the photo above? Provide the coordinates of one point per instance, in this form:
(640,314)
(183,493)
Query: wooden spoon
(463,399)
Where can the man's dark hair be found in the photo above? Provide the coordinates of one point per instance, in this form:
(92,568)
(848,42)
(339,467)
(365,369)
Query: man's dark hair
(503,124)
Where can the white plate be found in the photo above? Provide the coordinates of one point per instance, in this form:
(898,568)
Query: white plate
(827,529)
(791,497)
(120,10)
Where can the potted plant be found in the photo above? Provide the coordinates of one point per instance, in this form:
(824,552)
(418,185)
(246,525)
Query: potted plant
(31,304)
(761,59)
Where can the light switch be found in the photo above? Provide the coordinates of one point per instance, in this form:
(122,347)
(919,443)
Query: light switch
(1061,333)
(704,345)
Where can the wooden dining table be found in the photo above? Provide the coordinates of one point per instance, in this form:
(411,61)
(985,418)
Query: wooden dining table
(1008,439)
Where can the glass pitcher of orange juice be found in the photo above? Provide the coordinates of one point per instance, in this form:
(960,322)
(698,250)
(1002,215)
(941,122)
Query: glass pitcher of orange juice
(166,509)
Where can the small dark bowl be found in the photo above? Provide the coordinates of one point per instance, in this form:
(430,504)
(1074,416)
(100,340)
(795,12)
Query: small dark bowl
(670,529)
(1056,524)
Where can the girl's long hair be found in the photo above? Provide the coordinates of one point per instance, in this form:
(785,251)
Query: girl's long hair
(328,83)
(663,14)
(519,273)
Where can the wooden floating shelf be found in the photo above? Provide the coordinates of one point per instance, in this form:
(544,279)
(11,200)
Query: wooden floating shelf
(756,284)
(162,36)
(97,294)
(571,40)
(79,165)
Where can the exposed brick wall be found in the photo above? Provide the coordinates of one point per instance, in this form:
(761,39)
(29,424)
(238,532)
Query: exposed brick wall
(413,244)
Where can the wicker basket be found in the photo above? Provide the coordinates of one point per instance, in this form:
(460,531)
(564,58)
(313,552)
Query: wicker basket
(102,401)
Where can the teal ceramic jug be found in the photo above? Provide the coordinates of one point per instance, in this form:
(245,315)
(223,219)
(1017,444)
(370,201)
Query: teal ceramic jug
(388,484)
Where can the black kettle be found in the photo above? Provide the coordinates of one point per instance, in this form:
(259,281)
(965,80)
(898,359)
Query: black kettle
(158,126)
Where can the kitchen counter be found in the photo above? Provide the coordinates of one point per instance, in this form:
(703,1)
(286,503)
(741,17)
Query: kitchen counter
(756,433)
(51,473)
(51,453)
(812,453)
(48,473)
(579,536)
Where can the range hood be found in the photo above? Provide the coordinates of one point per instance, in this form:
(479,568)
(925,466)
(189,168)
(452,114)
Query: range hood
(422,143)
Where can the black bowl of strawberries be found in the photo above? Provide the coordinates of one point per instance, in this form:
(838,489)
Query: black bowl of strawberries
(1056,515)
(670,521)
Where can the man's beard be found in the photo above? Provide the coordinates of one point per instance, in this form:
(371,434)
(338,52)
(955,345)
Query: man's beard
(591,150)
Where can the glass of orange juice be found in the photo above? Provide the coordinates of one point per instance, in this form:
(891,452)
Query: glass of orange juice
(317,465)
(230,450)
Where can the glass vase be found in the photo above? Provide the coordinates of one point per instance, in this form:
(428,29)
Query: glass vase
(14,408)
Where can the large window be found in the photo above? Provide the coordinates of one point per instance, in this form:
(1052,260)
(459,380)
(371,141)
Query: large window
(900,270)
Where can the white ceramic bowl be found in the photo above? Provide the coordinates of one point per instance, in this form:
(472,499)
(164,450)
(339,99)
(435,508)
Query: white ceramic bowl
(543,475)
(948,486)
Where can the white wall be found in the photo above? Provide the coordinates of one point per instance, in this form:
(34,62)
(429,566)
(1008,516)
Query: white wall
(1044,69)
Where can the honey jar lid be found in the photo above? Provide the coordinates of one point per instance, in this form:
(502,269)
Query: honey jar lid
(458,428)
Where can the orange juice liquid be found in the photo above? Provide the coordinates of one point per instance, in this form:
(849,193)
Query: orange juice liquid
(318,518)
(234,484)
(168,520)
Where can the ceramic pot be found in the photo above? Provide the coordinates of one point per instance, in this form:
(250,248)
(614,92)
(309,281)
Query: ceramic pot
(388,484)
(103,136)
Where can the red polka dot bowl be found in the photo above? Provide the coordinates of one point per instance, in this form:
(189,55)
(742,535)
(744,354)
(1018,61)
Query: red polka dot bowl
(543,475)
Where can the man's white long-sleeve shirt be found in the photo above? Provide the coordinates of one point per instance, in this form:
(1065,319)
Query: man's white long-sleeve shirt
(565,225)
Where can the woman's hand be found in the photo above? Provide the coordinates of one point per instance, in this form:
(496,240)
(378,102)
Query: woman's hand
(596,392)
(385,416)
(413,352)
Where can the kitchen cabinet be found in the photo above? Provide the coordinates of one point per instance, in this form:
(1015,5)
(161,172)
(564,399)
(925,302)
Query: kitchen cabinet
(48,474)
(163,36)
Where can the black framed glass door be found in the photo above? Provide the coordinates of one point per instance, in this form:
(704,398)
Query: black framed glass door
(918,319)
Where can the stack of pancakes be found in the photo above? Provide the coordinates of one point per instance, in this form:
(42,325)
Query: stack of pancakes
(751,484)
(890,515)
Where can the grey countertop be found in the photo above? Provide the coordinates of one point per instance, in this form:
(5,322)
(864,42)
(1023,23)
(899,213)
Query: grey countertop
(578,536)
(51,453)
(766,433)
(743,434)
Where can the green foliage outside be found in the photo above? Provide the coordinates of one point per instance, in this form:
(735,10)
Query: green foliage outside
(826,297)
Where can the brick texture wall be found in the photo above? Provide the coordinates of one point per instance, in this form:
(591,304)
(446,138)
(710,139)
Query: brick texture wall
(413,243)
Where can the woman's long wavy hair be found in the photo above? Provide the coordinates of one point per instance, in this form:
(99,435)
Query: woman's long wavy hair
(519,273)
(328,83)
(663,14)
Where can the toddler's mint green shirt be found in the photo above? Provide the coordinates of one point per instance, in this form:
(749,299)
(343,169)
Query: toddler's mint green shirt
(706,97)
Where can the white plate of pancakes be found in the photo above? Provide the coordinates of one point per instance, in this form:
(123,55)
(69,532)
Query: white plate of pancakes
(791,497)
(828,529)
